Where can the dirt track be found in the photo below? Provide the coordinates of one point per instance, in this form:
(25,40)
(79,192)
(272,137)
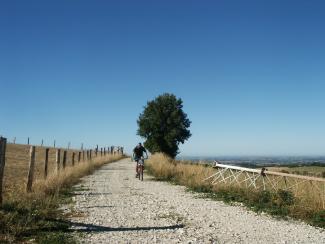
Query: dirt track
(119,208)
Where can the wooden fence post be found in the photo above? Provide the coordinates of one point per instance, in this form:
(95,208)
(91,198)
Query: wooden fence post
(31,169)
(83,155)
(104,151)
(42,142)
(28,141)
(58,156)
(64,162)
(79,156)
(3,143)
(46,162)
(101,152)
(72,158)
(96,150)
(87,154)
(14,140)
(90,151)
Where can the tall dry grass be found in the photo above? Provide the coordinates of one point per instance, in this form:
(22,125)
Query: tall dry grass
(303,204)
(34,215)
(17,163)
(56,181)
(71,175)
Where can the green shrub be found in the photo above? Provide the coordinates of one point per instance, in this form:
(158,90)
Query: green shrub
(285,198)
(265,197)
(319,219)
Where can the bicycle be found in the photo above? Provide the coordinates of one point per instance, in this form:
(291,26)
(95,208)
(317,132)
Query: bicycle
(140,168)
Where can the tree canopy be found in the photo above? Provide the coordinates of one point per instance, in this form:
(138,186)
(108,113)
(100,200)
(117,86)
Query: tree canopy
(164,125)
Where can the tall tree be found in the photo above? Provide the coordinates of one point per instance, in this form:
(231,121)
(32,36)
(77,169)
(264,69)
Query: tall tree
(164,125)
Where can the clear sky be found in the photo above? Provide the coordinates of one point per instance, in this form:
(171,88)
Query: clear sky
(251,73)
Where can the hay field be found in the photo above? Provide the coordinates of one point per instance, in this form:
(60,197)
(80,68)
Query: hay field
(316,171)
(17,163)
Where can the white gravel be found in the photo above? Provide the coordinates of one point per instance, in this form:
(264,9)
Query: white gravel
(118,208)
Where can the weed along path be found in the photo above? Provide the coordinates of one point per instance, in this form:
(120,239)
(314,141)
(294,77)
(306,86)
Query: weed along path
(118,208)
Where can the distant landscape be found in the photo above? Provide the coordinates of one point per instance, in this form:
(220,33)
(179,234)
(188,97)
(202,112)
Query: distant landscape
(309,166)
(258,161)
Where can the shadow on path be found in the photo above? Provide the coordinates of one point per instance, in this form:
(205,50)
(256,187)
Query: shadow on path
(92,194)
(82,227)
(102,206)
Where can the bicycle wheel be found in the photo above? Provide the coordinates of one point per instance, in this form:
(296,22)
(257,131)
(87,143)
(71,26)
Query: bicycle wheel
(141,173)
(137,171)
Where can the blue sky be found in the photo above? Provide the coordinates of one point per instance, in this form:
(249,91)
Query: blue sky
(251,73)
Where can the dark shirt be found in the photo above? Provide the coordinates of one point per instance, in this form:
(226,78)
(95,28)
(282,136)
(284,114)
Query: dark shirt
(138,152)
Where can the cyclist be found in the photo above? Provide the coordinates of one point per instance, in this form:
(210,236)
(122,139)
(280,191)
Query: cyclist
(138,154)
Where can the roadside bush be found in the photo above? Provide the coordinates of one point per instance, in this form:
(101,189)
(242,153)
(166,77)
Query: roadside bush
(319,219)
(265,197)
(285,198)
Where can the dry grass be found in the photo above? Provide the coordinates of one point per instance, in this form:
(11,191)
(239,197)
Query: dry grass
(33,215)
(304,204)
(17,163)
(71,175)
(165,168)
(316,171)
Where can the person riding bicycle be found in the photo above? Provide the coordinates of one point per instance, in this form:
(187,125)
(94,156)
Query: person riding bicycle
(138,154)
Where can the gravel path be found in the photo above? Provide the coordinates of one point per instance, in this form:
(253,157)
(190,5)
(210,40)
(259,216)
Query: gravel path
(118,208)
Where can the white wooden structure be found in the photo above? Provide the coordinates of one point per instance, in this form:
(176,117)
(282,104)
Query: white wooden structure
(262,179)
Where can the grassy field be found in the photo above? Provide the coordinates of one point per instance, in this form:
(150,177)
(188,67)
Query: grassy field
(34,217)
(305,205)
(316,171)
(17,163)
